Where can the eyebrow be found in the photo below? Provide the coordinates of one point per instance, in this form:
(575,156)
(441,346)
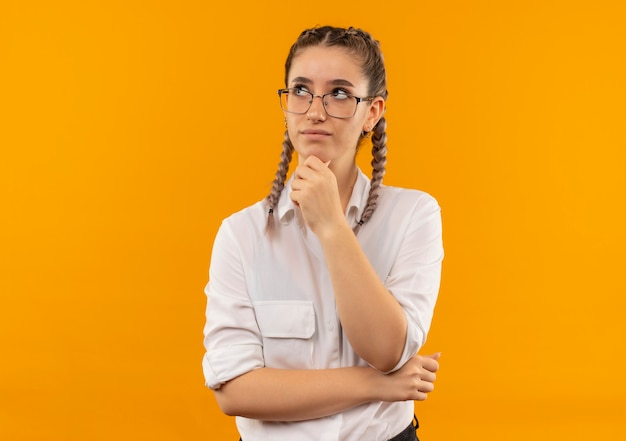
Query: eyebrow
(337,82)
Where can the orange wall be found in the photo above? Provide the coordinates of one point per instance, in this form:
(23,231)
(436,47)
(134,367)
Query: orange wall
(128,130)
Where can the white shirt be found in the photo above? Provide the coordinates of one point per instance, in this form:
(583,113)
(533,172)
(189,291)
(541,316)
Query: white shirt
(270,302)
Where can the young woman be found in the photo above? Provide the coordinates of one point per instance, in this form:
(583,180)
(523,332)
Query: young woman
(320,296)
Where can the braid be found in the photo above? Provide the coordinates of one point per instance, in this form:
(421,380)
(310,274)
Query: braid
(379,160)
(279,181)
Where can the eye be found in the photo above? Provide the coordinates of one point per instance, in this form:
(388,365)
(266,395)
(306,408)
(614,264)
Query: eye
(340,94)
(300,90)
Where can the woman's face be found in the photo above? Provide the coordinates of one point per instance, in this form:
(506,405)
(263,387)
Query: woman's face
(321,70)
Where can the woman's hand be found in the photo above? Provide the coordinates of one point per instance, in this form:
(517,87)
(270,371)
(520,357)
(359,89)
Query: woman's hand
(413,381)
(315,191)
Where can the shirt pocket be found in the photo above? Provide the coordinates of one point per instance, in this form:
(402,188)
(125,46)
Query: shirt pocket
(287,328)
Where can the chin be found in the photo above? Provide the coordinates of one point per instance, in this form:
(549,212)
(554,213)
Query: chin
(319,153)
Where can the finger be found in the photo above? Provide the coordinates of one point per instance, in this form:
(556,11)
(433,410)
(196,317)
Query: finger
(429,376)
(294,198)
(426,387)
(420,396)
(430,364)
(303,172)
(298,171)
(314,163)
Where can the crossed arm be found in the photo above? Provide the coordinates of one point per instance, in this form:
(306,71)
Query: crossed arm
(296,395)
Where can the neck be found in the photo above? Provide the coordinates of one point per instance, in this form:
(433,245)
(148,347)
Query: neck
(345,183)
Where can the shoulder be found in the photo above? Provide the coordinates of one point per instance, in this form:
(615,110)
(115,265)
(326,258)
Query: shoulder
(252,211)
(249,220)
(404,209)
(407,199)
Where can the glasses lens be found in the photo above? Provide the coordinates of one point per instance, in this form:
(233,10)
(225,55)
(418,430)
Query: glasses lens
(295,101)
(340,105)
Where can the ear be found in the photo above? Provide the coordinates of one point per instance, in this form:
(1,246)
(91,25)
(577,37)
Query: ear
(375,113)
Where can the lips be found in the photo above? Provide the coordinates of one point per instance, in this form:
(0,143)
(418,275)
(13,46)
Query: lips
(315,132)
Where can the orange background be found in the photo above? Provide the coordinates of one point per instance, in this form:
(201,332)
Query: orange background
(128,130)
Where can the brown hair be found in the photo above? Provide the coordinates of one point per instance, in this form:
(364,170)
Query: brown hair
(367,50)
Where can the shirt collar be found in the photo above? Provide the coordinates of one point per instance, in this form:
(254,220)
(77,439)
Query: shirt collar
(287,209)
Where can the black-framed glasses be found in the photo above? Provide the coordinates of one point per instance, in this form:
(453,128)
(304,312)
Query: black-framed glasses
(338,103)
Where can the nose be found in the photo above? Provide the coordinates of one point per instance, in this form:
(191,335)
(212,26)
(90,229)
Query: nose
(316,112)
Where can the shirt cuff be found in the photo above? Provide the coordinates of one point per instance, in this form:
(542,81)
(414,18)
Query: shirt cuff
(222,365)
(414,341)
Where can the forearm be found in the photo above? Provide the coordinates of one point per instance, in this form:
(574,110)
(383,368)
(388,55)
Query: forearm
(296,395)
(371,317)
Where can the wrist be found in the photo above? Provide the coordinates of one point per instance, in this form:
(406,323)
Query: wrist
(372,384)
